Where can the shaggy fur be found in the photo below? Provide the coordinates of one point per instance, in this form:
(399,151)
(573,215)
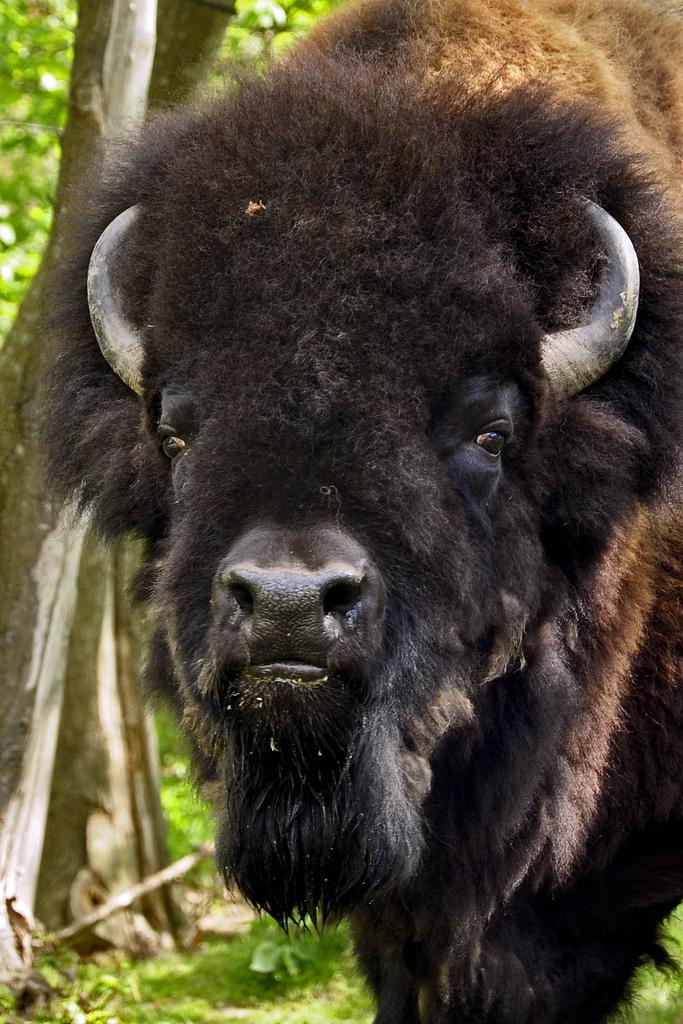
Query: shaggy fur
(345,268)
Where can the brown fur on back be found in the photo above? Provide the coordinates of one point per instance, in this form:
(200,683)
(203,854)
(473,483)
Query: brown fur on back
(626,56)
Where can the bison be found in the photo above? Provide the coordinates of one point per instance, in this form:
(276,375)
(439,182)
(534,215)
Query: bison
(381,354)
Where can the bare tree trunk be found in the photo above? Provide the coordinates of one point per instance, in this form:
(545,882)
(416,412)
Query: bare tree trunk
(189,35)
(40,550)
(105,828)
(127,65)
(69,641)
(30,716)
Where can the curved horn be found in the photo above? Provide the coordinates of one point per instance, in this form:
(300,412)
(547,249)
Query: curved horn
(119,340)
(574,359)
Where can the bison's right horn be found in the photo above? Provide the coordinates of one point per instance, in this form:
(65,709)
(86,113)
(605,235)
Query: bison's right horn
(576,358)
(118,338)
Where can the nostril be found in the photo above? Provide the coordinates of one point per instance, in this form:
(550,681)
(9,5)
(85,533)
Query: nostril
(342,598)
(243,596)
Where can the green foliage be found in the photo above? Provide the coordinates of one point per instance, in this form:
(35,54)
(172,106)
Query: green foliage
(189,820)
(263,28)
(6,1001)
(279,958)
(217,984)
(35,59)
(658,997)
(213,984)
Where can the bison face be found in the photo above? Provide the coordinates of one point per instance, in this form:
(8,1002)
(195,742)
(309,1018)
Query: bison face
(337,603)
(349,463)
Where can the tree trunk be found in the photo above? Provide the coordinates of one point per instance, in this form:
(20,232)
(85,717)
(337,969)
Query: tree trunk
(78,784)
(105,827)
(40,548)
(30,713)
(189,35)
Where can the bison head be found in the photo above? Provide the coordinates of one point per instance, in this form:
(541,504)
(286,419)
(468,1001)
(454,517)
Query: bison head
(351,321)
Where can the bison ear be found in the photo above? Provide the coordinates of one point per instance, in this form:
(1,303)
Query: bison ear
(574,359)
(120,341)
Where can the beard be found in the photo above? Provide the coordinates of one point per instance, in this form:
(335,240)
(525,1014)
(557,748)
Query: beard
(319,813)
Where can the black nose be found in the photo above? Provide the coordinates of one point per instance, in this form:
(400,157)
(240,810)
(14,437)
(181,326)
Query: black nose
(294,604)
(291,595)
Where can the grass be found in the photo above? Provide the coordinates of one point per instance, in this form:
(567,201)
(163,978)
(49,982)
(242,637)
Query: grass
(658,996)
(309,980)
(260,976)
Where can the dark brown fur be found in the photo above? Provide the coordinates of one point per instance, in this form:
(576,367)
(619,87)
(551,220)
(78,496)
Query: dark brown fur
(496,797)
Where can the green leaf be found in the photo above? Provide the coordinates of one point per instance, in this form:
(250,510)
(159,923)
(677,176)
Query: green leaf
(266,957)
(291,961)
(8,235)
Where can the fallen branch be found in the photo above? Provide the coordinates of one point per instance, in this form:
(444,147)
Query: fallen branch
(124,899)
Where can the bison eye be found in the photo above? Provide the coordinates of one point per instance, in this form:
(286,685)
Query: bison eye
(492,441)
(173,445)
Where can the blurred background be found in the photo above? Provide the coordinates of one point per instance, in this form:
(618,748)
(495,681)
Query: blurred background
(110,909)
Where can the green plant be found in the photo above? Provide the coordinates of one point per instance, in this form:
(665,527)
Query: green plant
(262,28)
(7,1001)
(35,61)
(278,958)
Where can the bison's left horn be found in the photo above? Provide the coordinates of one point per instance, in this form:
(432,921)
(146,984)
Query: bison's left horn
(574,359)
(117,337)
